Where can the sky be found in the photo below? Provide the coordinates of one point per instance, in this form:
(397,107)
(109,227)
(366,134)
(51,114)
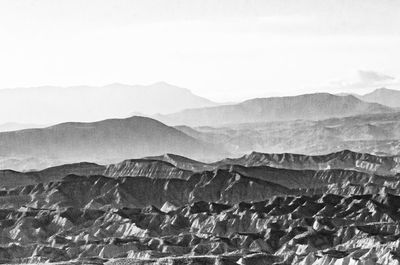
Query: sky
(225,50)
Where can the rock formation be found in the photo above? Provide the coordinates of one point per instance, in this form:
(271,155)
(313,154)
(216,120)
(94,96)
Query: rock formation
(257,209)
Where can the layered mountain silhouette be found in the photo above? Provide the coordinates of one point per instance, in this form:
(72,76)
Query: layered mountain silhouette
(384,96)
(118,139)
(307,107)
(51,104)
(310,124)
(269,206)
(373,133)
(107,140)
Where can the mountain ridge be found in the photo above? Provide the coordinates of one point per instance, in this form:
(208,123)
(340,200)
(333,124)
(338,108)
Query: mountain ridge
(52,104)
(308,107)
(384,96)
(143,211)
(375,133)
(107,140)
(183,167)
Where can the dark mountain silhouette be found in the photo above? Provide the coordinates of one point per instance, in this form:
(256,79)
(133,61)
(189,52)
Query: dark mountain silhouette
(306,107)
(107,140)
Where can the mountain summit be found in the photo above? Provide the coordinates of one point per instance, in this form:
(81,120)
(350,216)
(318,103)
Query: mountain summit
(384,96)
(108,140)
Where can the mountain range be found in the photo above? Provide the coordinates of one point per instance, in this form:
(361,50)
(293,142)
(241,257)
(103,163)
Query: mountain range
(52,104)
(108,140)
(309,124)
(237,191)
(135,137)
(257,209)
(373,133)
(306,107)
(384,96)
(22,108)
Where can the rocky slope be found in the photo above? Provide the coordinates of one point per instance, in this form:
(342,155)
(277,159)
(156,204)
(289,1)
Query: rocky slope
(257,209)
(255,165)
(346,159)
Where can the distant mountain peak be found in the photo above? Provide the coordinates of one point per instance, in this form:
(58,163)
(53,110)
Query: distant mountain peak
(55,104)
(384,96)
(383,90)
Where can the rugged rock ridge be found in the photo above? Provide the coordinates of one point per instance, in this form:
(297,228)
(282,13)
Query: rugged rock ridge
(319,229)
(146,168)
(174,166)
(345,159)
(137,191)
(237,211)
(238,184)
(183,162)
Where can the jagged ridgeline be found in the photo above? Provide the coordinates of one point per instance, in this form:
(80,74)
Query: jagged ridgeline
(339,208)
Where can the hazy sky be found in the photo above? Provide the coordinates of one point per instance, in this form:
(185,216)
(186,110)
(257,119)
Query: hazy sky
(224,50)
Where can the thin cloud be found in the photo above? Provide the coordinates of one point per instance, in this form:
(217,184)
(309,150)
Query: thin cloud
(363,81)
(374,77)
